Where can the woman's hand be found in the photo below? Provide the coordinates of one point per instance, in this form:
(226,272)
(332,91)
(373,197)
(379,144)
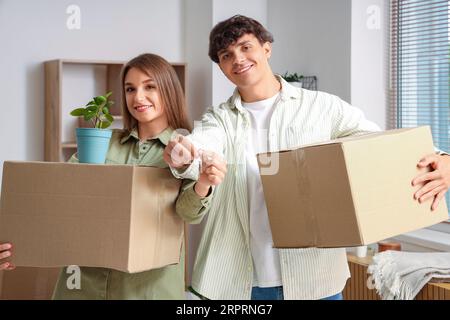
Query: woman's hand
(213,170)
(5,252)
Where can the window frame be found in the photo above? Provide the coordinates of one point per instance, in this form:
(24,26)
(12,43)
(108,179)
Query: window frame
(433,237)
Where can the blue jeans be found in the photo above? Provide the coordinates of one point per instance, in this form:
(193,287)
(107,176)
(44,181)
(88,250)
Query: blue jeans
(337,296)
(276,293)
(272,293)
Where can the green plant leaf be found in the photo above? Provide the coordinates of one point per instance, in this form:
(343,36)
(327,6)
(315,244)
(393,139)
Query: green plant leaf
(107,95)
(92,109)
(100,100)
(78,112)
(105,110)
(105,124)
(292,77)
(93,104)
(109,117)
(90,103)
(89,115)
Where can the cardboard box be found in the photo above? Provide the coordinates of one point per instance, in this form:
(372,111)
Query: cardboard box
(115,216)
(348,192)
(24,283)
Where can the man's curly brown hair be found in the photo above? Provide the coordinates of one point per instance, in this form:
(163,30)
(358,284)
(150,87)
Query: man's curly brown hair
(227,32)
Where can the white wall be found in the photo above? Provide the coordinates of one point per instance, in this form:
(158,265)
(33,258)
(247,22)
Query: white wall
(198,23)
(35,31)
(313,37)
(370,54)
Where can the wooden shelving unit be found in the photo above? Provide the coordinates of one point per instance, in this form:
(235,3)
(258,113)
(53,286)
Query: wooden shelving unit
(55,148)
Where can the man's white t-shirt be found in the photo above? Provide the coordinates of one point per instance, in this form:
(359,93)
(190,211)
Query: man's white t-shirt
(266,261)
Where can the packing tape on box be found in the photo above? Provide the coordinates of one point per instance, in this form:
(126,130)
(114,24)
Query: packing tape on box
(304,187)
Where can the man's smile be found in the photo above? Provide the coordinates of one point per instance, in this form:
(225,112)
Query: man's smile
(243,69)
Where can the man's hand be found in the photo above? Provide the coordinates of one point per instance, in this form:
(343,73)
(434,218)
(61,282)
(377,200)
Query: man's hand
(179,152)
(213,172)
(436,182)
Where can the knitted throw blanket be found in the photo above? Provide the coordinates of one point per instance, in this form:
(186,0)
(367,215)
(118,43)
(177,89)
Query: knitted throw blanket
(401,275)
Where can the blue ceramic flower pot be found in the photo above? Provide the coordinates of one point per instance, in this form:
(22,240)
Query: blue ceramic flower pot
(92,144)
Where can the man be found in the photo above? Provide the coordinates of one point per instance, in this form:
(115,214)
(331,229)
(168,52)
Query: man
(236,258)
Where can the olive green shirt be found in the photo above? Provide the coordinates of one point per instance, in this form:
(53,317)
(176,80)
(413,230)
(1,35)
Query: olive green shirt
(163,283)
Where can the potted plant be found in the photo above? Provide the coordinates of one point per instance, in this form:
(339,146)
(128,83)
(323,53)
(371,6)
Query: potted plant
(293,78)
(93,143)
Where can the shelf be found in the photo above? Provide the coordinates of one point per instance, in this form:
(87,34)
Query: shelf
(69,145)
(88,62)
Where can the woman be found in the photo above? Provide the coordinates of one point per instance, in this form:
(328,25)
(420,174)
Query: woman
(152,107)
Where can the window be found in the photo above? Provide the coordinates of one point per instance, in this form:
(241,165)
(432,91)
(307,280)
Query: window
(420,68)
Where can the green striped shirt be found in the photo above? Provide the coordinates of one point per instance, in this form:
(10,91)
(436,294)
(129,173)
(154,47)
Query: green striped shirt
(224,268)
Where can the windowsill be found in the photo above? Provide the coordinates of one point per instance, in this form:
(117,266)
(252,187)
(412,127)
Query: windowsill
(425,240)
(441,227)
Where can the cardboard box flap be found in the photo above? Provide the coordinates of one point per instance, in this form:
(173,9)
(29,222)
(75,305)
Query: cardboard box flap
(157,234)
(282,208)
(307,202)
(25,283)
(331,195)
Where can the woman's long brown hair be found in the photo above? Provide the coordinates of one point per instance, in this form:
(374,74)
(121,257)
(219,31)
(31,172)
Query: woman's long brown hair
(169,88)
